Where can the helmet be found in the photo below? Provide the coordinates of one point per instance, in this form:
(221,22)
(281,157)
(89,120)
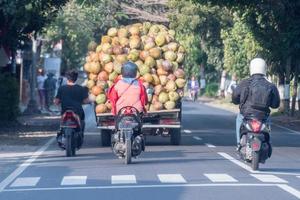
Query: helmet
(258,66)
(129,70)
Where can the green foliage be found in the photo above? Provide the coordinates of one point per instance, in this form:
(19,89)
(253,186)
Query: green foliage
(77,25)
(240,47)
(9,101)
(211,90)
(22,17)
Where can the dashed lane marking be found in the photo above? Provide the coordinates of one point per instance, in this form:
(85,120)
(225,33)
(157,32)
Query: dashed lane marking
(220,178)
(24,165)
(187,131)
(25,182)
(123,179)
(74,180)
(197,138)
(268,178)
(210,145)
(171,178)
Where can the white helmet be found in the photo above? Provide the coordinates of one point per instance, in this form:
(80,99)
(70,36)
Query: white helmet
(258,66)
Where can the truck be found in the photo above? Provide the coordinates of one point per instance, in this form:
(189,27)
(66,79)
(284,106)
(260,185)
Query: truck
(165,123)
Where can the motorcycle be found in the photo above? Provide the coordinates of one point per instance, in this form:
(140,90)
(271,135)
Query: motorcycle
(255,142)
(127,140)
(194,94)
(70,137)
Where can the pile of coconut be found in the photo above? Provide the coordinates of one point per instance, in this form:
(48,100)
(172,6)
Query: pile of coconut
(158,56)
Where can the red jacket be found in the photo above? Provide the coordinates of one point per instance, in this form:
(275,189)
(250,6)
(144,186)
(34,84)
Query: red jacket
(113,96)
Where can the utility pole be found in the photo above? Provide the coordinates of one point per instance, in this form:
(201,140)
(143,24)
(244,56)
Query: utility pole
(32,107)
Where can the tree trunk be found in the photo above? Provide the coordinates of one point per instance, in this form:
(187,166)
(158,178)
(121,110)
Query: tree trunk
(202,79)
(281,91)
(295,87)
(287,86)
(222,84)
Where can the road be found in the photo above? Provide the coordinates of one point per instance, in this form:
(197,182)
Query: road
(205,166)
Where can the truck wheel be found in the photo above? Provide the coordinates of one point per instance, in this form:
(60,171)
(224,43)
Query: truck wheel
(106,138)
(175,136)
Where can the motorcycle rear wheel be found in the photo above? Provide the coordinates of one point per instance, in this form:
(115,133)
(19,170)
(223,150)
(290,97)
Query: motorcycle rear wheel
(70,145)
(128,151)
(255,160)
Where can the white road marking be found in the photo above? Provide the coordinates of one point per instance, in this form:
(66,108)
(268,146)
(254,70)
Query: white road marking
(268,178)
(287,129)
(248,168)
(210,145)
(235,161)
(290,190)
(92,133)
(145,186)
(220,178)
(25,182)
(24,165)
(171,178)
(197,138)
(123,179)
(187,131)
(74,180)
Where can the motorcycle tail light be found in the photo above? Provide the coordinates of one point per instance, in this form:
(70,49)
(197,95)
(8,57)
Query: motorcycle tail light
(128,111)
(70,117)
(255,125)
(255,146)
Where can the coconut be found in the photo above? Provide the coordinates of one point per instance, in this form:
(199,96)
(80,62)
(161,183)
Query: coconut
(96,90)
(144,69)
(109,67)
(163,80)
(117,50)
(180,58)
(160,40)
(135,43)
(158,89)
(133,55)
(87,67)
(108,105)
(122,33)
(93,76)
(92,97)
(161,72)
(105,58)
(144,54)
(139,63)
(113,76)
(90,84)
(95,67)
(181,49)
(172,32)
(103,76)
(170,56)
(121,58)
(173,46)
(154,29)
(173,96)
(134,30)
(180,82)
(167,65)
(93,57)
(150,61)
(112,32)
(169,105)
(148,77)
(171,86)
(102,84)
(124,41)
(163,97)
(117,67)
(155,53)
(156,80)
(98,49)
(179,73)
(158,105)
(101,108)
(149,45)
(100,99)
(172,77)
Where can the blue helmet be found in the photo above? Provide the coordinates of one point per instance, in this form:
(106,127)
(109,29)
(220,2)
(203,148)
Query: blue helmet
(129,70)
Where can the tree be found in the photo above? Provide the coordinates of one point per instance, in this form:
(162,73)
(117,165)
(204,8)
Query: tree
(22,17)
(77,24)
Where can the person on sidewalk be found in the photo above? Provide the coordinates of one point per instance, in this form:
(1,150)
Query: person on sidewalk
(128,91)
(50,87)
(255,96)
(41,90)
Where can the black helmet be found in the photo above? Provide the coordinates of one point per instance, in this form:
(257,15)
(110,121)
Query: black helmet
(129,70)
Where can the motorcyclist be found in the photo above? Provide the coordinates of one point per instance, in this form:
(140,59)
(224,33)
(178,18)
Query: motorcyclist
(255,95)
(72,96)
(128,91)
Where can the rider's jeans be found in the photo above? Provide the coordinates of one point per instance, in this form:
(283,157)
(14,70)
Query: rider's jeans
(239,122)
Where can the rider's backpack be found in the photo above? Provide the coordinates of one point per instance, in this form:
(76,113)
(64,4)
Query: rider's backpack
(259,94)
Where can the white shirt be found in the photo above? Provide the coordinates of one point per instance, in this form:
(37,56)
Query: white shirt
(193,84)
(40,82)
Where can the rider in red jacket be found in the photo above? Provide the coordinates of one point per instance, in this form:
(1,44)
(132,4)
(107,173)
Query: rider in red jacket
(128,91)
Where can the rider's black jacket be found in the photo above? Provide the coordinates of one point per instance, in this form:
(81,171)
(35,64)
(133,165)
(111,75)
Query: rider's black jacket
(239,95)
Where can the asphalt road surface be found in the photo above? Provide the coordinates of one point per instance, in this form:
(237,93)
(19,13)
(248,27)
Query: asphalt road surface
(205,167)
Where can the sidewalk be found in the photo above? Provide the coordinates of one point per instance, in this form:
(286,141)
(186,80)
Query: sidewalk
(286,121)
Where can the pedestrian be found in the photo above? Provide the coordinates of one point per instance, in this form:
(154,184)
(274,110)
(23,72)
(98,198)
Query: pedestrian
(40,86)
(232,85)
(50,87)
(62,80)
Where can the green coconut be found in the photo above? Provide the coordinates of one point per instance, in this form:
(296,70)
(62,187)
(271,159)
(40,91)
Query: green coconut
(173,96)
(112,76)
(163,97)
(160,39)
(112,32)
(150,61)
(180,82)
(155,53)
(101,99)
(133,55)
(169,105)
(144,69)
(171,86)
(170,55)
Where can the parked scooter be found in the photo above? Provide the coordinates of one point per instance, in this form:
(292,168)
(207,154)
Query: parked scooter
(70,137)
(127,140)
(255,142)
